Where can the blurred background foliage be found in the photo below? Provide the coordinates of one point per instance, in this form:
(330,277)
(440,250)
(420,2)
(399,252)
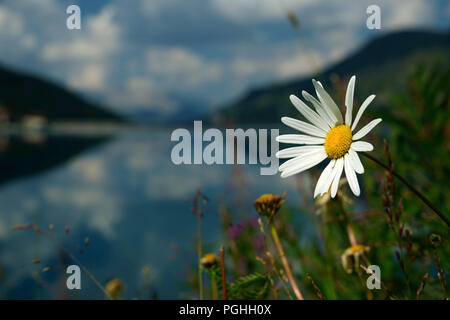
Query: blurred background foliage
(392,227)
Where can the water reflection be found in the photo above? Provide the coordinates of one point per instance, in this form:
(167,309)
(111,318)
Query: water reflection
(124,194)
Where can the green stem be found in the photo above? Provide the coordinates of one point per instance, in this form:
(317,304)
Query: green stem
(215,293)
(411,187)
(199,251)
(294,286)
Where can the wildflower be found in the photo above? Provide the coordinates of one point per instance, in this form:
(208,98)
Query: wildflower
(114,288)
(329,136)
(268,204)
(235,231)
(352,256)
(209,260)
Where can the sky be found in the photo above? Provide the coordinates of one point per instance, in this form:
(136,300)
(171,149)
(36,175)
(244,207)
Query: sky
(161,55)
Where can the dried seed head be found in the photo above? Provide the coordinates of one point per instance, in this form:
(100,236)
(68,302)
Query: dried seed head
(352,256)
(209,260)
(268,204)
(114,288)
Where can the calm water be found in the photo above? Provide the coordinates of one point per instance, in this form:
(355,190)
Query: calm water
(121,191)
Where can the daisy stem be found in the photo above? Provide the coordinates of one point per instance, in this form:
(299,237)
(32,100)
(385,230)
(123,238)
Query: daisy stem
(276,239)
(351,235)
(410,186)
(348,226)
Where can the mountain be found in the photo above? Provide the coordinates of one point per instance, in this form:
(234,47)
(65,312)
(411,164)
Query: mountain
(380,66)
(187,110)
(22,94)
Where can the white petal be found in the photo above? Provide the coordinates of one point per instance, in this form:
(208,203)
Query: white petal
(349,100)
(305,164)
(351,175)
(361,146)
(326,100)
(338,168)
(304,127)
(308,113)
(296,151)
(366,129)
(361,110)
(300,159)
(356,162)
(328,181)
(320,109)
(324,180)
(299,139)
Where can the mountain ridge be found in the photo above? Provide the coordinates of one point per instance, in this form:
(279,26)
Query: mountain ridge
(23,94)
(404,48)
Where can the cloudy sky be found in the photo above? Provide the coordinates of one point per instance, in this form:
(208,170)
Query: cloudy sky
(159,55)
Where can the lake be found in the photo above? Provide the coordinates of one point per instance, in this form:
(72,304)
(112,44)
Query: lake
(122,191)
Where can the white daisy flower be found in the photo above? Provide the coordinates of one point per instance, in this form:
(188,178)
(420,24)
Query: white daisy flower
(328,135)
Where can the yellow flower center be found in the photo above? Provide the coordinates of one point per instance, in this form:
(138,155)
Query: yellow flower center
(338,141)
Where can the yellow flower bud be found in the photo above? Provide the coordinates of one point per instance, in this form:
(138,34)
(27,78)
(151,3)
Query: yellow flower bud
(114,288)
(209,260)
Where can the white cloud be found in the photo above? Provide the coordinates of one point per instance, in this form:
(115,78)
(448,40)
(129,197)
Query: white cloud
(11,23)
(90,77)
(13,31)
(90,168)
(177,65)
(99,39)
(141,92)
(296,65)
(96,207)
(179,184)
(203,51)
(254,10)
(154,7)
(399,15)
